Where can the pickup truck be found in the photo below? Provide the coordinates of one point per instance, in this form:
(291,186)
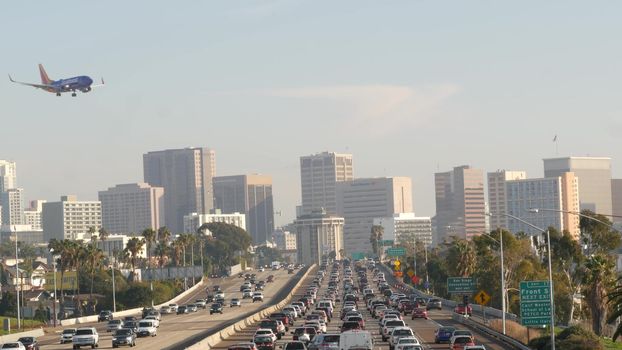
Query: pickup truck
(86,336)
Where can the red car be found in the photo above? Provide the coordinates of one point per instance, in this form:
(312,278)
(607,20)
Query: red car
(463,309)
(460,342)
(243,346)
(406,307)
(420,312)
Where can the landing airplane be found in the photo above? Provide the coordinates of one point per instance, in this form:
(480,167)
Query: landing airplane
(80,83)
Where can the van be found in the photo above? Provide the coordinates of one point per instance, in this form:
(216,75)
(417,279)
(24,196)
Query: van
(356,340)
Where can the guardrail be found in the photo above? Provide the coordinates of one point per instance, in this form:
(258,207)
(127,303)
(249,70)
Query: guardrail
(93,318)
(465,320)
(224,333)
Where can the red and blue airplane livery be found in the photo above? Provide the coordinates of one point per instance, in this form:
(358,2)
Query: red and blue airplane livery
(81,83)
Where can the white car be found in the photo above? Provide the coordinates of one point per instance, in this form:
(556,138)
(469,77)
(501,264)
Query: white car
(146,328)
(313,323)
(261,269)
(173,307)
(13,345)
(406,343)
(387,318)
(220,294)
(292,310)
(388,328)
(166,310)
(265,332)
(86,336)
(154,319)
(67,335)
(257,296)
(398,333)
(474,347)
(247,293)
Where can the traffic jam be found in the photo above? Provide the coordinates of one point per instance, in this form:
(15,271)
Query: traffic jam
(352,307)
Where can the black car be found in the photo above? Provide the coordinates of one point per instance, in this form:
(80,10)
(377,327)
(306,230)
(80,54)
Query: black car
(133,325)
(123,336)
(183,309)
(30,343)
(217,289)
(210,298)
(105,315)
(216,308)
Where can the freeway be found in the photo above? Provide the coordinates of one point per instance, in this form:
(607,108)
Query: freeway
(178,328)
(424,329)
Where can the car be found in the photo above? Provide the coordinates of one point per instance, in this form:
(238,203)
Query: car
(13,345)
(406,306)
(463,309)
(460,342)
(277,327)
(147,328)
(388,328)
(304,334)
(247,293)
(443,334)
(257,296)
(358,319)
(294,345)
(30,343)
(406,343)
(397,333)
(261,269)
(328,341)
(474,347)
(173,307)
(420,313)
(360,340)
(459,332)
(220,294)
(290,271)
(133,325)
(434,303)
(350,325)
(105,315)
(183,309)
(235,302)
(216,288)
(270,279)
(67,335)
(154,319)
(123,336)
(192,308)
(113,325)
(216,308)
(265,332)
(86,336)
(165,310)
(243,346)
(264,343)
(201,303)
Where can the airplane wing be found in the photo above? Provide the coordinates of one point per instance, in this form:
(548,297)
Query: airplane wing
(38,86)
(99,85)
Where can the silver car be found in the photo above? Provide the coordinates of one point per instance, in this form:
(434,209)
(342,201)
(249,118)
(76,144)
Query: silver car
(113,325)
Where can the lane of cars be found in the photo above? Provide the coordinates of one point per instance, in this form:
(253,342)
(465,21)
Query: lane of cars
(203,310)
(340,309)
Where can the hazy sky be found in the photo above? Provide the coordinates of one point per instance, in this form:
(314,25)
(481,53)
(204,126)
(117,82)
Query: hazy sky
(407,87)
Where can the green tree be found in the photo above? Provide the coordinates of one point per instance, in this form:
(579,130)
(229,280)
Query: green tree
(599,280)
(94,259)
(226,244)
(567,261)
(133,248)
(461,258)
(377,231)
(597,233)
(103,234)
(267,255)
(164,235)
(161,250)
(149,236)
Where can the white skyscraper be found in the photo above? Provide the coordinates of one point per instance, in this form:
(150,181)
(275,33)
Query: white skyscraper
(70,218)
(406,227)
(496,195)
(32,215)
(12,201)
(317,235)
(131,208)
(319,175)
(8,175)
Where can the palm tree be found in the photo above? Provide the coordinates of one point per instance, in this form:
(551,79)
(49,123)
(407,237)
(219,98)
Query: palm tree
(164,235)
(103,234)
(178,248)
(150,236)
(599,279)
(161,250)
(133,248)
(377,232)
(94,260)
(462,258)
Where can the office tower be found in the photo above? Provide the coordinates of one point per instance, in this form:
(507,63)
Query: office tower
(317,235)
(186,176)
(251,195)
(12,201)
(594,175)
(460,207)
(559,194)
(131,208)
(193,221)
(8,175)
(70,218)
(360,201)
(616,199)
(496,195)
(319,175)
(32,214)
(284,240)
(406,227)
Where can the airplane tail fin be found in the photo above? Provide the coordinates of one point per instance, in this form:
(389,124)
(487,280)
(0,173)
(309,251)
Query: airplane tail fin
(44,76)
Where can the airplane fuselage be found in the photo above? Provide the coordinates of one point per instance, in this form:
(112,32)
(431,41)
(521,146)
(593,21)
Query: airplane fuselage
(81,83)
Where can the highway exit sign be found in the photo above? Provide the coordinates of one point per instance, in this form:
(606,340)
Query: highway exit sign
(535,303)
(461,285)
(399,251)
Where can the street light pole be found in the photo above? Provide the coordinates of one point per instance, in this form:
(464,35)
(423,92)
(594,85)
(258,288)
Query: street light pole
(55,298)
(503,291)
(17,284)
(114,296)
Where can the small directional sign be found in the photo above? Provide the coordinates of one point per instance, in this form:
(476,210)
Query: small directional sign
(398,273)
(481,298)
(397,265)
(410,272)
(414,279)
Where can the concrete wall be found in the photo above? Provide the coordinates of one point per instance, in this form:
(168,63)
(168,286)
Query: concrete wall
(13,337)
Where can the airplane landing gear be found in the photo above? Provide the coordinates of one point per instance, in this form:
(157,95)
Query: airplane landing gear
(73,94)
(58,94)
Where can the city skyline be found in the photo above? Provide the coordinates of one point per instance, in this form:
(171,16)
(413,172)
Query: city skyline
(219,75)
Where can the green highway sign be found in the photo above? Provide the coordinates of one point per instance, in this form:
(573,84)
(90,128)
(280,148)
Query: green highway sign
(358,256)
(535,303)
(461,285)
(386,242)
(400,251)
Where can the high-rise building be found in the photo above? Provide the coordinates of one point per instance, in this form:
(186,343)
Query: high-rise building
(360,201)
(193,221)
(319,175)
(249,194)
(32,214)
(406,227)
(8,175)
(186,176)
(70,218)
(131,208)
(496,195)
(559,194)
(594,175)
(318,234)
(460,204)
(284,240)
(12,201)
(616,199)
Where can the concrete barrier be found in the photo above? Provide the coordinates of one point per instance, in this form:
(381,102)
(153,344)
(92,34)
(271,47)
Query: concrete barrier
(483,329)
(208,342)
(13,337)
